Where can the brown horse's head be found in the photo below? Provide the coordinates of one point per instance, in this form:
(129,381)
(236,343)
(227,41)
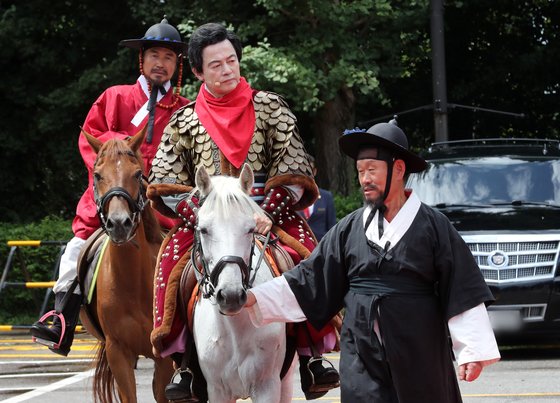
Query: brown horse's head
(118,184)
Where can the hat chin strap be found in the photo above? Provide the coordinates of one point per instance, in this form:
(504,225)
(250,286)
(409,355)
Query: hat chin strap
(380,205)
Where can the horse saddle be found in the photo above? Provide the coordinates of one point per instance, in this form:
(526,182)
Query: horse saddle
(88,267)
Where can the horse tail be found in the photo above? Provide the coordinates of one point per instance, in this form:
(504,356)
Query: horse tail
(103,379)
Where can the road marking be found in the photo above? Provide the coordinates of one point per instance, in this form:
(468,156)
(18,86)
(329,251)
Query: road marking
(49,388)
(37,375)
(535,394)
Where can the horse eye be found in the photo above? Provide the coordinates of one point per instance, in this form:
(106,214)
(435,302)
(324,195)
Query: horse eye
(97,176)
(204,230)
(138,175)
(251,230)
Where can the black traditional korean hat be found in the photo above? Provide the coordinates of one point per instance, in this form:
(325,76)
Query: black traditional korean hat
(162,34)
(386,136)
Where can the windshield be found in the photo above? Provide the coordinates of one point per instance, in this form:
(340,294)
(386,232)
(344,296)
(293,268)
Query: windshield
(488,181)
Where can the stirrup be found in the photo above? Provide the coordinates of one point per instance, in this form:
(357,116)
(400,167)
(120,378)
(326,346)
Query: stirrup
(49,343)
(321,387)
(193,398)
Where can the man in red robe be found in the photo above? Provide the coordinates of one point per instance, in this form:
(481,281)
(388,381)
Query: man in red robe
(228,125)
(119,112)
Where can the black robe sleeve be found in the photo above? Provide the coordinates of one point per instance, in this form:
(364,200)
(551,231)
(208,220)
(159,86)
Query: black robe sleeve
(462,286)
(320,282)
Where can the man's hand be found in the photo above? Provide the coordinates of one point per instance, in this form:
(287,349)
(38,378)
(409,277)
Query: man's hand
(469,371)
(251,300)
(263,224)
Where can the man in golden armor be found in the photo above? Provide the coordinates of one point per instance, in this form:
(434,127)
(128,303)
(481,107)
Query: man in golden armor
(228,125)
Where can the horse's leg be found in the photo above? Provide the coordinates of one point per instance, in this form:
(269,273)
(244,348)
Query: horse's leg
(215,395)
(267,391)
(163,371)
(122,363)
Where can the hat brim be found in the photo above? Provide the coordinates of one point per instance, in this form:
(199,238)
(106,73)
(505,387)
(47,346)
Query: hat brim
(352,143)
(178,47)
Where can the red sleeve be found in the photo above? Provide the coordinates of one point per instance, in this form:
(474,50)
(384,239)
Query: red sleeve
(99,122)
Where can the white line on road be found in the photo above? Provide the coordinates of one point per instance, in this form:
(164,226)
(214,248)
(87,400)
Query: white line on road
(49,388)
(47,362)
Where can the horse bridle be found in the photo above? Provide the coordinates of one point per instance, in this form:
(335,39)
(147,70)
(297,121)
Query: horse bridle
(207,281)
(136,206)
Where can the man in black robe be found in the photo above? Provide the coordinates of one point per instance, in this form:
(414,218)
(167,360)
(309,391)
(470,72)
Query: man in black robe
(413,296)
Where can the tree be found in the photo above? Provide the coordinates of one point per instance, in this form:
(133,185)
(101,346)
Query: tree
(56,58)
(322,55)
(500,55)
(338,63)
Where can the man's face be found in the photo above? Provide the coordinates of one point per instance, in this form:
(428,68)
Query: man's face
(159,64)
(220,68)
(372,175)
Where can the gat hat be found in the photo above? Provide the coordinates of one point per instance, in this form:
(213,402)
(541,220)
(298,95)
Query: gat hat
(162,34)
(387,136)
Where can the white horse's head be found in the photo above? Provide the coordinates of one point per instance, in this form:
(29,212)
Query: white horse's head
(225,229)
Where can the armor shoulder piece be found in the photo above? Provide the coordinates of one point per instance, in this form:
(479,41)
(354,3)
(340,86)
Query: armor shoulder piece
(171,163)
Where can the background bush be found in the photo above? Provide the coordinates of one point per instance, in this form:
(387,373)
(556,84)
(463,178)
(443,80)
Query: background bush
(19,305)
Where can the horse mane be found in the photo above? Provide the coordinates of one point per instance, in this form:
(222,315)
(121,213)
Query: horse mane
(227,199)
(116,147)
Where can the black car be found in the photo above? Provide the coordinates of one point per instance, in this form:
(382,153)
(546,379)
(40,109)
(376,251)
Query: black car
(503,196)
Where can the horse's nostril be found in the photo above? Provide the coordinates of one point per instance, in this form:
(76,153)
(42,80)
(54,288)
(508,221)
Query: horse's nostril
(128,222)
(220,297)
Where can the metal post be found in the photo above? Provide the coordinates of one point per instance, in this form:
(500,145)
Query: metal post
(438,71)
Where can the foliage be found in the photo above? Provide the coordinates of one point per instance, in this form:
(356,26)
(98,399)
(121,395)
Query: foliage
(344,205)
(338,63)
(56,58)
(500,55)
(18,302)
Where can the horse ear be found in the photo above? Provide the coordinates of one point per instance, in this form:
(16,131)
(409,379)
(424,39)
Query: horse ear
(202,181)
(94,142)
(246,179)
(136,141)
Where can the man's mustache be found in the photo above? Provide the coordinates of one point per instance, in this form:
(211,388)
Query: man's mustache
(158,71)
(370,187)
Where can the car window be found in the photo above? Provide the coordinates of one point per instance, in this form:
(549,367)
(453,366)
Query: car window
(488,181)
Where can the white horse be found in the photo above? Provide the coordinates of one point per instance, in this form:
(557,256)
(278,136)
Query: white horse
(237,359)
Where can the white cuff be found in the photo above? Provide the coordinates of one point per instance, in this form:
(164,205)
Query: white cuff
(473,338)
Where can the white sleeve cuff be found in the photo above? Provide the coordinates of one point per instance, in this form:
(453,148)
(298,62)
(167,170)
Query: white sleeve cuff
(275,303)
(473,338)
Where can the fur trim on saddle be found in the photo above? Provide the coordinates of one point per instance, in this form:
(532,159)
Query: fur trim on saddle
(170,303)
(310,194)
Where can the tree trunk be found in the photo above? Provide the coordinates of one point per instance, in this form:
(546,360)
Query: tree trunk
(335,171)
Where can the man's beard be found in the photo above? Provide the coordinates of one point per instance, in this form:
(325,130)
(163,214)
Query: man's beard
(158,80)
(375,202)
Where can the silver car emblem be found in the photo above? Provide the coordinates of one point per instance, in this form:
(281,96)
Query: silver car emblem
(498,259)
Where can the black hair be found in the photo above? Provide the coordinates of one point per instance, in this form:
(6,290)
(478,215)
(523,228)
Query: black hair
(210,34)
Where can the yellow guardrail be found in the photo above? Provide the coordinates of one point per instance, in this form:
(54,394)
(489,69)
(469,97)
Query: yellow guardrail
(11,328)
(16,255)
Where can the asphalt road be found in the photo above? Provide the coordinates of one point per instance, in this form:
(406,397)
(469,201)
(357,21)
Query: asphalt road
(30,373)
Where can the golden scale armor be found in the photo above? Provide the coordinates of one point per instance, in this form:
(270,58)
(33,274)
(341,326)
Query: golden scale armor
(276,147)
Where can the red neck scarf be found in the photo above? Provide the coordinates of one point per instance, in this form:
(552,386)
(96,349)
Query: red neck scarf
(230,120)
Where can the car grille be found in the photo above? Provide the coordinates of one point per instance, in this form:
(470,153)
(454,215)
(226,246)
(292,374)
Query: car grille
(512,259)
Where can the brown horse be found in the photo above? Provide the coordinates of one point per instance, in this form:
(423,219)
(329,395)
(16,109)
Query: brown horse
(120,313)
